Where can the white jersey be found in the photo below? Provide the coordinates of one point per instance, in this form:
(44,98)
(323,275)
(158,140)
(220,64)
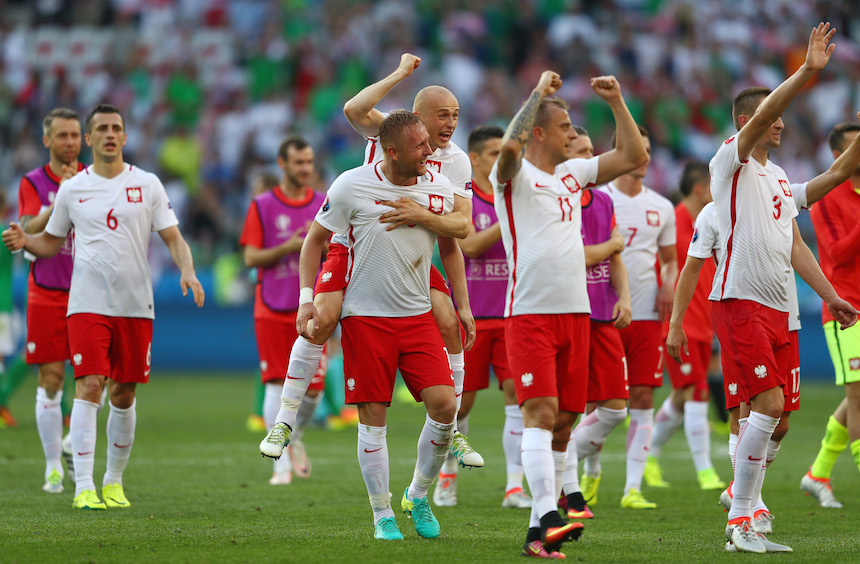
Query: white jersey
(112,220)
(540,216)
(389,270)
(755,210)
(647,222)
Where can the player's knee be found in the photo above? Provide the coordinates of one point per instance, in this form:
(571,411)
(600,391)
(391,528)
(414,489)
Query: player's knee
(51,378)
(89,389)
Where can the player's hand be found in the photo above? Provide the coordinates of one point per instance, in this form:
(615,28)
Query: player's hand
(296,239)
(618,239)
(622,313)
(408,63)
(190,281)
(676,341)
(470,327)
(405,212)
(819,50)
(606,87)
(307,320)
(14,237)
(844,313)
(68,172)
(663,305)
(549,83)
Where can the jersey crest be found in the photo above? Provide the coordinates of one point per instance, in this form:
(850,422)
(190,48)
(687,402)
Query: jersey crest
(436,204)
(786,187)
(571,184)
(134,195)
(434,165)
(653,218)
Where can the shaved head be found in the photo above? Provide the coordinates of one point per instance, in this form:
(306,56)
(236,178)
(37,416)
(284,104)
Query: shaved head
(439,109)
(432,97)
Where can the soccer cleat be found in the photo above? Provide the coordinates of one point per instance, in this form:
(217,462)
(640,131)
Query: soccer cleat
(281,478)
(276,440)
(586,513)
(255,423)
(726,497)
(709,480)
(422,516)
(554,531)
(115,496)
(517,498)
(589,485)
(88,499)
(763,522)
(654,474)
(387,529)
(821,489)
(445,494)
(299,459)
(464,453)
(536,549)
(53,483)
(740,533)
(635,500)
(6,418)
(68,457)
(770,546)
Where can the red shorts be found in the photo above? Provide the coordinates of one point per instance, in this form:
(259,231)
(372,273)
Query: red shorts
(375,347)
(117,347)
(791,389)
(437,281)
(694,370)
(334,274)
(548,357)
(47,334)
(275,338)
(643,346)
(757,338)
(732,385)
(607,365)
(489,350)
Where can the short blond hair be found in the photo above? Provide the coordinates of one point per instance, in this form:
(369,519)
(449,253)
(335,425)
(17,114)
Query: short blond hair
(392,127)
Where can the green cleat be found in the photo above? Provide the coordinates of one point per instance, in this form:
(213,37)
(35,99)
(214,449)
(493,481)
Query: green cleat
(419,511)
(635,500)
(88,499)
(115,496)
(709,480)
(589,485)
(54,482)
(276,440)
(386,529)
(653,474)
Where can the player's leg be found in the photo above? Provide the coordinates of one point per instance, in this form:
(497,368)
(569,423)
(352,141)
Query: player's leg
(88,391)
(373,462)
(667,420)
(49,422)
(512,438)
(852,393)
(297,452)
(696,424)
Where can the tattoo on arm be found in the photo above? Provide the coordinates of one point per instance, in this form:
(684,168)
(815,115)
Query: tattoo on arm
(520,128)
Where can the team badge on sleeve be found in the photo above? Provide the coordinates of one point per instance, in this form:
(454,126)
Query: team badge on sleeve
(695,235)
(325,205)
(134,194)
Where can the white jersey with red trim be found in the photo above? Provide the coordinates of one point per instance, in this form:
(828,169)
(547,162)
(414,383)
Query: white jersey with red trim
(112,220)
(755,210)
(389,273)
(647,222)
(540,215)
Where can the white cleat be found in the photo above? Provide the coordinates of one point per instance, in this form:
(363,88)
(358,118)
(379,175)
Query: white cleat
(726,498)
(821,490)
(744,538)
(276,440)
(281,478)
(69,457)
(299,459)
(445,493)
(770,546)
(464,453)
(763,522)
(54,482)
(517,499)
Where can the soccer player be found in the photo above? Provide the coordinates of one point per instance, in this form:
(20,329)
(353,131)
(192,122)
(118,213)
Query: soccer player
(438,110)
(834,219)
(113,207)
(759,243)
(48,285)
(487,279)
(537,200)
(688,402)
(272,237)
(386,320)
(647,222)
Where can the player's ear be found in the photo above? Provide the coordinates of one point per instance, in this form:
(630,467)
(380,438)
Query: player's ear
(538,133)
(87,139)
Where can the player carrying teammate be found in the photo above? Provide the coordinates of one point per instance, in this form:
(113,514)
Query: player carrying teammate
(537,199)
(113,207)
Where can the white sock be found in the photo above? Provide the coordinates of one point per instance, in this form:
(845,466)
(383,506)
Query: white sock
(304,415)
(458,371)
(373,461)
(742,423)
(638,443)
(304,362)
(591,465)
(772,451)
(666,422)
(539,468)
(750,457)
(120,438)
(49,422)
(512,438)
(271,402)
(559,460)
(698,432)
(433,446)
(733,446)
(570,479)
(83,430)
(592,431)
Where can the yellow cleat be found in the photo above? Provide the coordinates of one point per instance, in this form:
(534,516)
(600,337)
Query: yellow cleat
(589,485)
(256,424)
(654,474)
(635,500)
(114,496)
(709,480)
(88,499)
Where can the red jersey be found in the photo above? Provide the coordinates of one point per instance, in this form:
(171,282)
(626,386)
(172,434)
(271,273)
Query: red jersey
(838,233)
(697,321)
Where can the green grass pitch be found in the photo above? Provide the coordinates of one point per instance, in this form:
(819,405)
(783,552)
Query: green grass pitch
(199,492)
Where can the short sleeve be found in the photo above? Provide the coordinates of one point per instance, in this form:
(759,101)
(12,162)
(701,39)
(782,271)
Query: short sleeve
(725,163)
(336,211)
(28,199)
(59,224)
(668,235)
(798,192)
(460,175)
(584,171)
(252,231)
(163,215)
(705,235)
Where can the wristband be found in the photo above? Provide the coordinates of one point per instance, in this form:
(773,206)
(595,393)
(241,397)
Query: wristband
(306,296)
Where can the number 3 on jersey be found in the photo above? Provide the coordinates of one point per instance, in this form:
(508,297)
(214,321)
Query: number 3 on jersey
(777,207)
(111,220)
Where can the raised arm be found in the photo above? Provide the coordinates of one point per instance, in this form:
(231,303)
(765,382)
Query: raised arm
(361,110)
(180,252)
(520,128)
(629,152)
(309,265)
(452,260)
(43,245)
(817,56)
(256,257)
(840,171)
